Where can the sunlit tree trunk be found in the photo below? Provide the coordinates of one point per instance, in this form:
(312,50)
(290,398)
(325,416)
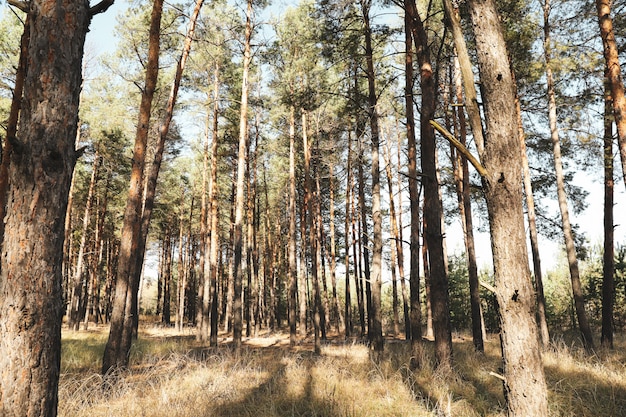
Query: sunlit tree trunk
(39,175)
(181,282)
(570,246)
(376,329)
(311,207)
(532,231)
(396,255)
(613,75)
(414,280)
(79,280)
(292,272)
(240,186)
(524,381)
(433,210)
(337,317)
(117,350)
(400,245)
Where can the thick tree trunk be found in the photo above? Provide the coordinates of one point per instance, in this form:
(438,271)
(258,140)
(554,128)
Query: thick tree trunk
(415,325)
(39,174)
(524,382)
(376,327)
(570,246)
(433,210)
(608,269)
(117,350)
(613,75)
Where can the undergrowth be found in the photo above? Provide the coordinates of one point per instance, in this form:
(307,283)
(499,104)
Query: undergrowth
(172,375)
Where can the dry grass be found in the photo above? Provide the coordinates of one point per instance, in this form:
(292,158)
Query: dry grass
(173,375)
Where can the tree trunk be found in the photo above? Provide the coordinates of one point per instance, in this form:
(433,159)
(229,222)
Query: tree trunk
(524,384)
(414,280)
(406,302)
(292,272)
(310,204)
(209,303)
(348,222)
(613,75)
(239,198)
(364,242)
(608,269)
(117,350)
(205,246)
(570,246)
(532,231)
(397,257)
(337,317)
(181,281)
(376,330)
(39,175)
(433,210)
(465,207)
(79,281)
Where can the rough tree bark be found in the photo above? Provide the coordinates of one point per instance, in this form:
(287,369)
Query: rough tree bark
(433,209)
(39,175)
(117,350)
(524,381)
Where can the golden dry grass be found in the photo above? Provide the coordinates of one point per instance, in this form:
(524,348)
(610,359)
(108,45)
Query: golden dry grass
(172,375)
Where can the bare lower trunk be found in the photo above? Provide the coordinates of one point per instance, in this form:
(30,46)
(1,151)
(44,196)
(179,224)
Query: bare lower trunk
(239,189)
(534,236)
(414,280)
(524,381)
(433,210)
(570,246)
(39,175)
(608,264)
(292,272)
(465,207)
(117,350)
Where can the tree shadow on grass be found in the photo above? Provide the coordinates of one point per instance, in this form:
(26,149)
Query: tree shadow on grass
(278,396)
(580,393)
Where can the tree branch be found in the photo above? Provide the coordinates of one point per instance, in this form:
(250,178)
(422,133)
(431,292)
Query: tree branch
(22,5)
(101,7)
(461,148)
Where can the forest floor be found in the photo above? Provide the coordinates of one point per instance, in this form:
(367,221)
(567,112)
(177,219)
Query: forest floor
(173,375)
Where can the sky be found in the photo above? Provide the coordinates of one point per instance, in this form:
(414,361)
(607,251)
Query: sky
(101,40)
